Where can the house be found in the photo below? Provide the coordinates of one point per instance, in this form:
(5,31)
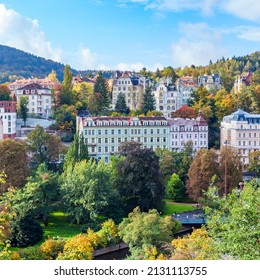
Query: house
(39,97)
(210,82)
(242,81)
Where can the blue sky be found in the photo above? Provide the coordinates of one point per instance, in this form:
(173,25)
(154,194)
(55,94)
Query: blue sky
(131,34)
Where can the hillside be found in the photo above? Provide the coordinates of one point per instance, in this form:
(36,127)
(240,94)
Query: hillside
(14,62)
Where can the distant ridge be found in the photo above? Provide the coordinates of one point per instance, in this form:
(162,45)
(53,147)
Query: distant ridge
(14,62)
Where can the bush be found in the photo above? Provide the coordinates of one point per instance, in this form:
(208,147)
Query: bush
(31,253)
(25,232)
(51,248)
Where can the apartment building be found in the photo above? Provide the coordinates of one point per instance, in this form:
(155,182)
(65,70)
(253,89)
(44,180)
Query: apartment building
(39,97)
(184,130)
(7,119)
(241,130)
(132,86)
(103,135)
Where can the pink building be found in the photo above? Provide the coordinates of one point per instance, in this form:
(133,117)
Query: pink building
(7,119)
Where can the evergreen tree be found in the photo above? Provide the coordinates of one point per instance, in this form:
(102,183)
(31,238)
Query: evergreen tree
(121,104)
(67,96)
(23,108)
(148,101)
(101,87)
(77,152)
(67,79)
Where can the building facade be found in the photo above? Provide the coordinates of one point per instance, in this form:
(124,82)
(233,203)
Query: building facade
(132,87)
(184,130)
(7,119)
(241,130)
(39,97)
(210,81)
(242,81)
(104,135)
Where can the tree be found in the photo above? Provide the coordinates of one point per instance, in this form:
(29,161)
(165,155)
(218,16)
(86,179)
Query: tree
(140,182)
(23,108)
(175,188)
(101,87)
(196,246)
(5,94)
(254,162)
(143,230)
(85,189)
(43,146)
(202,169)
(121,104)
(67,78)
(67,96)
(77,152)
(43,192)
(234,224)
(13,163)
(53,76)
(148,103)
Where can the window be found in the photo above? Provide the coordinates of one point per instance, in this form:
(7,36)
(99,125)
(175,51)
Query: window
(119,131)
(106,131)
(106,149)
(112,131)
(119,140)
(151,131)
(106,140)
(99,132)
(112,140)
(93,149)
(99,140)
(93,140)
(99,149)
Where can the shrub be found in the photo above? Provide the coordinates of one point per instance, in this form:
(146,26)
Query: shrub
(51,248)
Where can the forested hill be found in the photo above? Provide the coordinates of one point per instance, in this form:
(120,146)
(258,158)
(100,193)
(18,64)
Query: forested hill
(14,62)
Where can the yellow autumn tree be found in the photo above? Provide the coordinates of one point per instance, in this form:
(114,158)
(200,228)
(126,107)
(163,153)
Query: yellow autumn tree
(196,246)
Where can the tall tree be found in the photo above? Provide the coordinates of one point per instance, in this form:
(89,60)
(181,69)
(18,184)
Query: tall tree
(67,96)
(23,108)
(53,76)
(121,104)
(13,163)
(101,87)
(140,181)
(77,152)
(175,188)
(85,188)
(148,103)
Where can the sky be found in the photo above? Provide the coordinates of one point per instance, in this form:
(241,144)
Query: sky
(131,34)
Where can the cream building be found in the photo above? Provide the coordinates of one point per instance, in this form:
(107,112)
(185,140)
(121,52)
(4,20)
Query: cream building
(132,87)
(184,130)
(7,119)
(40,99)
(103,135)
(241,130)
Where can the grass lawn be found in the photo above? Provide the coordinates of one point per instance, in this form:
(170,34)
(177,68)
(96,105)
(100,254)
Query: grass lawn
(171,208)
(60,226)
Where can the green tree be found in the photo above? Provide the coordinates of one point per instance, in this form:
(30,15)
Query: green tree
(77,152)
(43,146)
(175,188)
(234,225)
(254,162)
(148,103)
(85,189)
(121,104)
(23,108)
(101,87)
(143,230)
(140,181)
(67,96)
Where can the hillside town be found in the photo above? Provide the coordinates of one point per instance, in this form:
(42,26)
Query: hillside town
(99,155)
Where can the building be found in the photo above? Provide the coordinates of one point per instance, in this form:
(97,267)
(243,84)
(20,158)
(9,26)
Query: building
(242,81)
(45,83)
(133,88)
(210,81)
(103,135)
(40,99)
(7,119)
(186,85)
(168,98)
(241,130)
(184,130)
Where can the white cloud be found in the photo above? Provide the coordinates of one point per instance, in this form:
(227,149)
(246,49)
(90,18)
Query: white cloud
(25,34)
(246,9)
(129,66)
(196,49)
(86,59)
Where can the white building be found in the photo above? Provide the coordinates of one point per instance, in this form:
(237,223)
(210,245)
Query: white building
(210,81)
(132,87)
(7,119)
(184,130)
(103,135)
(241,130)
(40,99)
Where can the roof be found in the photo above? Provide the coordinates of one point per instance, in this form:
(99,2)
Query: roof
(241,115)
(32,86)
